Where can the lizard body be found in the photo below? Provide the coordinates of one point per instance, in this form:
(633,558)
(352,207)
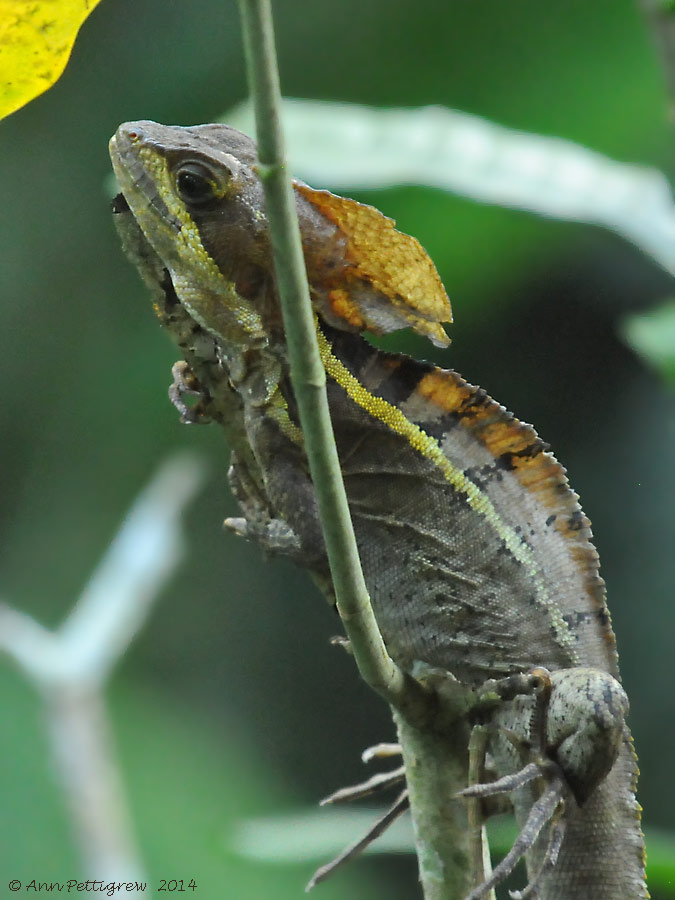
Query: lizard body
(477,556)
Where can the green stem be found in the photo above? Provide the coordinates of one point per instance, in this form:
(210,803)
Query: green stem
(435,764)
(307,372)
(660,15)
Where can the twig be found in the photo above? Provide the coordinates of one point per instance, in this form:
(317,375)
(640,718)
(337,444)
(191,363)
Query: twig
(481,866)
(70,665)
(660,15)
(307,372)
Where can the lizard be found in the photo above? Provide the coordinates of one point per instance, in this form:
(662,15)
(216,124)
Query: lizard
(477,556)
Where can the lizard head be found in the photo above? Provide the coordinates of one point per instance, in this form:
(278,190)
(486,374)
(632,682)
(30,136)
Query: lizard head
(197,197)
(198,207)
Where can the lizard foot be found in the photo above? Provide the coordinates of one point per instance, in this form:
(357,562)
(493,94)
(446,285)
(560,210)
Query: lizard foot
(549,808)
(379,827)
(376,783)
(185,385)
(566,729)
(274,535)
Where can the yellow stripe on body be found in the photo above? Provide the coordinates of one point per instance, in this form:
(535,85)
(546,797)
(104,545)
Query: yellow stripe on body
(277,410)
(428,447)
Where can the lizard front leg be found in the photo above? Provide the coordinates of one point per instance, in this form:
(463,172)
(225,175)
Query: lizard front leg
(274,490)
(183,386)
(259,522)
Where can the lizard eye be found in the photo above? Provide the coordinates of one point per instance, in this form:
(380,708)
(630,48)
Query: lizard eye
(196,185)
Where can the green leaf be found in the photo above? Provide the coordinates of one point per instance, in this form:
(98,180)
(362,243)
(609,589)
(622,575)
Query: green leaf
(357,147)
(314,835)
(652,336)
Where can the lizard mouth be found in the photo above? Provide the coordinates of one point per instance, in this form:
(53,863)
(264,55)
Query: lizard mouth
(140,191)
(119,205)
(127,227)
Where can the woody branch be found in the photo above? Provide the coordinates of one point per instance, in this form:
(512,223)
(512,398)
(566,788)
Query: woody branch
(71,665)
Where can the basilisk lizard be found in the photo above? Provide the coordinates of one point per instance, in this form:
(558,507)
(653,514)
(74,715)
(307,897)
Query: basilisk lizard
(477,556)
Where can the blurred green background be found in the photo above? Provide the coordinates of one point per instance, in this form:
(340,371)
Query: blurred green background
(85,418)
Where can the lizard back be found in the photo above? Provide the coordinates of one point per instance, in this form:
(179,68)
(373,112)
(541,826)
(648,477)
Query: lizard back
(476,552)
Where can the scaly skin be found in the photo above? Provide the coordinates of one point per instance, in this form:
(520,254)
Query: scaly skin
(475,551)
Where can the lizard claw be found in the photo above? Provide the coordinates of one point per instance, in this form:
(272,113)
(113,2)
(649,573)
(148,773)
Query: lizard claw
(558,826)
(185,385)
(548,808)
(383,750)
(377,783)
(273,534)
(507,783)
(379,827)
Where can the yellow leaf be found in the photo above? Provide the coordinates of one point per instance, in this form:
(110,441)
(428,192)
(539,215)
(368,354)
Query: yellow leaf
(36,37)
